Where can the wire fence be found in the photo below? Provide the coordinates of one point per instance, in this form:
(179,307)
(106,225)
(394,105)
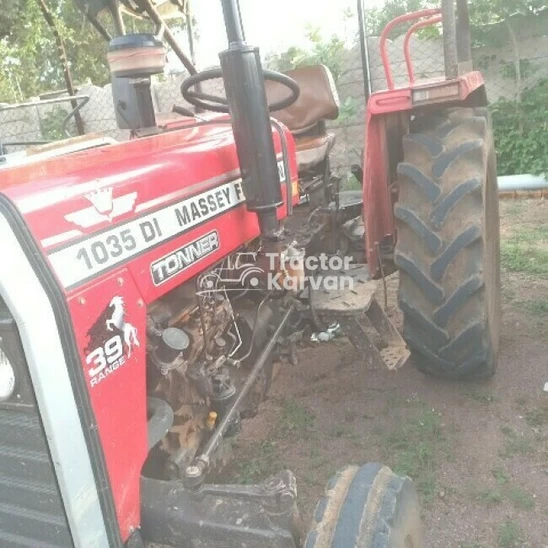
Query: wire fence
(43,122)
(513,58)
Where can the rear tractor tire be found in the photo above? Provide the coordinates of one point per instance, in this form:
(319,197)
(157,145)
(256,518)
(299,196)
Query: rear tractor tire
(367,507)
(448,244)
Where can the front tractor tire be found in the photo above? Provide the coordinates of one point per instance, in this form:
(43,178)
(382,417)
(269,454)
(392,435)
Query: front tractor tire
(448,244)
(367,507)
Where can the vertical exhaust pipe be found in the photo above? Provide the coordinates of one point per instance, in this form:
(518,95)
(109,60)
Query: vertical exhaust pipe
(247,103)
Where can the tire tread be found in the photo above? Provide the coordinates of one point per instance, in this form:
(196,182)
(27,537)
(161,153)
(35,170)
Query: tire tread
(368,515)
(437,282)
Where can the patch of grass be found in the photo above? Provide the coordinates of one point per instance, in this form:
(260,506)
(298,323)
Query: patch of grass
(250,471)
(514,444)
(521,499)
(349,182)
(520,254)
(537,417)
(470,545)
(530,234)
(500,476)
(537,307)
(521,400)
(261,463)
(510,535)
(481,397)
(414,448)
(294,417)
(517,446)
(427,486)
(489,497)
(514,208)
(516,257)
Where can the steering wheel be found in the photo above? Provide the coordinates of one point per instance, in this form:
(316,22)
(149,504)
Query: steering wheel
(216,103)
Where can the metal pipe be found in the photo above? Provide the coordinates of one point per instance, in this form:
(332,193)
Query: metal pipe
(285,159)
(44,102)
(233,21)
(203,460)
(523,182)
(143,101)
(190,32)
(366,67)
(24,143)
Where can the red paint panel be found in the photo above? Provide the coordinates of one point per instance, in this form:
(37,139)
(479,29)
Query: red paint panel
(146,175)
(378,211)
(118,390)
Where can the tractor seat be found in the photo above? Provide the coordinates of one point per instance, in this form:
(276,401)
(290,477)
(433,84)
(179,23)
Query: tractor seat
(306,117)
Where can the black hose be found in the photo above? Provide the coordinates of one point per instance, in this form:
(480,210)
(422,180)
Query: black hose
(255,329)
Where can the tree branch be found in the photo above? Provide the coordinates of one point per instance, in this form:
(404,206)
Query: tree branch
(63,56)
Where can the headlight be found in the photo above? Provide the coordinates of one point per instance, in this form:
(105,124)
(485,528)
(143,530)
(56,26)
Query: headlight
(7,377)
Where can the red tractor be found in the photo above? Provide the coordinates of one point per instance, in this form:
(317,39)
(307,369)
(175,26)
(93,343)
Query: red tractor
(148,287)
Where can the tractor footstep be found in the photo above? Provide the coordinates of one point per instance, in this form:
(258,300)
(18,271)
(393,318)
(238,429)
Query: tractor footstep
(352,304)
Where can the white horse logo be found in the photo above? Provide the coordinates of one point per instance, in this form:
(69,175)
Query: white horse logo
(118,320)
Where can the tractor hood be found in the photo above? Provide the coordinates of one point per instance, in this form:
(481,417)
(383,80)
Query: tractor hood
(130,204)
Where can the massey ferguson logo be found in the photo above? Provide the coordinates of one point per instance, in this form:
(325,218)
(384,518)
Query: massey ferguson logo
(104,208)
(111,342)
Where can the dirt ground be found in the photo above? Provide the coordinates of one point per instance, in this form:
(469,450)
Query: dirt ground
(477,451)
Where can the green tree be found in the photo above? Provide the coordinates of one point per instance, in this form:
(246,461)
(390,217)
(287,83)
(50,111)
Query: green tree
(29,62)
(487,12)
(29,55)
(490,16)
(482,12)
(378,18)
(320,51)
(520,132)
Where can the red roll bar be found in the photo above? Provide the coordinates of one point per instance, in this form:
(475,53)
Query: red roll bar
(434,17)
(406,43)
